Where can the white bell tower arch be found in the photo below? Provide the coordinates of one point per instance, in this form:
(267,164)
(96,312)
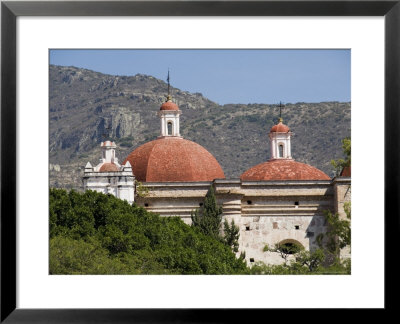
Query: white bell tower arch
(280,144)
(108,152)
(169,117)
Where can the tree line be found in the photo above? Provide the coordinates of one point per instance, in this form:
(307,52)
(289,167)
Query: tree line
(93,233)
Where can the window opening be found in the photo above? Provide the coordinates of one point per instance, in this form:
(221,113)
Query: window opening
(169,130)
(280,150)
(290,248)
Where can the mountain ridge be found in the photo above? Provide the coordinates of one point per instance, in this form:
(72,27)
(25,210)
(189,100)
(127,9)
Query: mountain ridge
(87,107)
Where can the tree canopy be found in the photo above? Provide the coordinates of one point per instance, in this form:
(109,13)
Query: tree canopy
(346,162)
(93,233)
(208,218)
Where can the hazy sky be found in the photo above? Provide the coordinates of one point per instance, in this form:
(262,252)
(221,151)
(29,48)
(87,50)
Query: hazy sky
(230,76)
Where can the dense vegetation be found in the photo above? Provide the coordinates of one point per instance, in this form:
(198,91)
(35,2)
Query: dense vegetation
(92,233)
(208,220)
(340,164)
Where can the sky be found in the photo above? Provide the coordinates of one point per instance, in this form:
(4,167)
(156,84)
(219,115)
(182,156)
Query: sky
(230,76)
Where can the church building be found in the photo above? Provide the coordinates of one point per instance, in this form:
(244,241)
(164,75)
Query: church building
(109,177)
(278,201)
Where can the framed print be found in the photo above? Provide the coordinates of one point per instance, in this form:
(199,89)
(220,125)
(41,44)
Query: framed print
(30,29)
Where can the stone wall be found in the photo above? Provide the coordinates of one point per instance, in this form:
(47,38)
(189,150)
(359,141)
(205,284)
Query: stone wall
(276,211)
(342,191)
(257,232)
(267,212)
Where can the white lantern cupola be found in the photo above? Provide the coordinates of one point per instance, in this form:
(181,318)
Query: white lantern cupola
(108,152)
(109,177)
(169,116)
(279,136)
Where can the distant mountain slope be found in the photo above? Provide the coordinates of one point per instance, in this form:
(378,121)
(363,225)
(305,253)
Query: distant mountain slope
(87,107)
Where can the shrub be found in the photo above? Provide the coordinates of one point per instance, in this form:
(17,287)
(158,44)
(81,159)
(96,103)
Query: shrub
(94,233)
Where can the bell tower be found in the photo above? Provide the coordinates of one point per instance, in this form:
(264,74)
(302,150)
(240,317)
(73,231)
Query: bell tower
(169,116)
(279,136)
(108,152)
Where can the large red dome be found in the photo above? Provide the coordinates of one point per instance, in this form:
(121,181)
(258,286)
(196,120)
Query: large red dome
(172,159)
(283,169)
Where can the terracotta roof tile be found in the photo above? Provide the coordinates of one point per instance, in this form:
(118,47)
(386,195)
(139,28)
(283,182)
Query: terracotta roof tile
(109,167)
(346,172)
(283,169)
(172,159)
(280,128)
(169,105)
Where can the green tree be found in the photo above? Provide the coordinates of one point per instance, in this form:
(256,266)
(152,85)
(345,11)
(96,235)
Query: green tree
(342,163)
(312,260)
(69,256)
(141,190)
(231,235)
(208,218)
(93,233)
(285,250)
(339,234)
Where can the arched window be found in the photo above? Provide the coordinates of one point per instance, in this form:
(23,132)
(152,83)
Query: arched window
(290,246)
(280,153)
(169,128)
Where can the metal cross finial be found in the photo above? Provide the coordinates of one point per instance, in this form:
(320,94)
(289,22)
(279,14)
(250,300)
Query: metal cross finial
(280,111)
(106,134)
(168,82)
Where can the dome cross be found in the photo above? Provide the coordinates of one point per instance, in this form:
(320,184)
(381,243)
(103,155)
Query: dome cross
(169,97)
(280,111)
(169,116)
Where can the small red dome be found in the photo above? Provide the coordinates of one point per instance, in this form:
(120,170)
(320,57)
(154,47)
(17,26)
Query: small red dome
(280,128)
(171,159)
(108,143)
(346,172)
(283,169)
(109,167)
(169,105)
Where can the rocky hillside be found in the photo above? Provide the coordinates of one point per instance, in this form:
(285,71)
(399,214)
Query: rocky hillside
(87,107)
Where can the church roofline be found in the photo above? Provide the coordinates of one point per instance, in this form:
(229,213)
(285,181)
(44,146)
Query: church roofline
(341,179)
(227,181)
(286,182)
(237,181)
(178,184)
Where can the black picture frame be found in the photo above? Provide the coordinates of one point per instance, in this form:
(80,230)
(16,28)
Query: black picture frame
(10,10)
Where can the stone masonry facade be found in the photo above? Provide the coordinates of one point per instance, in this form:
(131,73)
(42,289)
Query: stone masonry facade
(267,212)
